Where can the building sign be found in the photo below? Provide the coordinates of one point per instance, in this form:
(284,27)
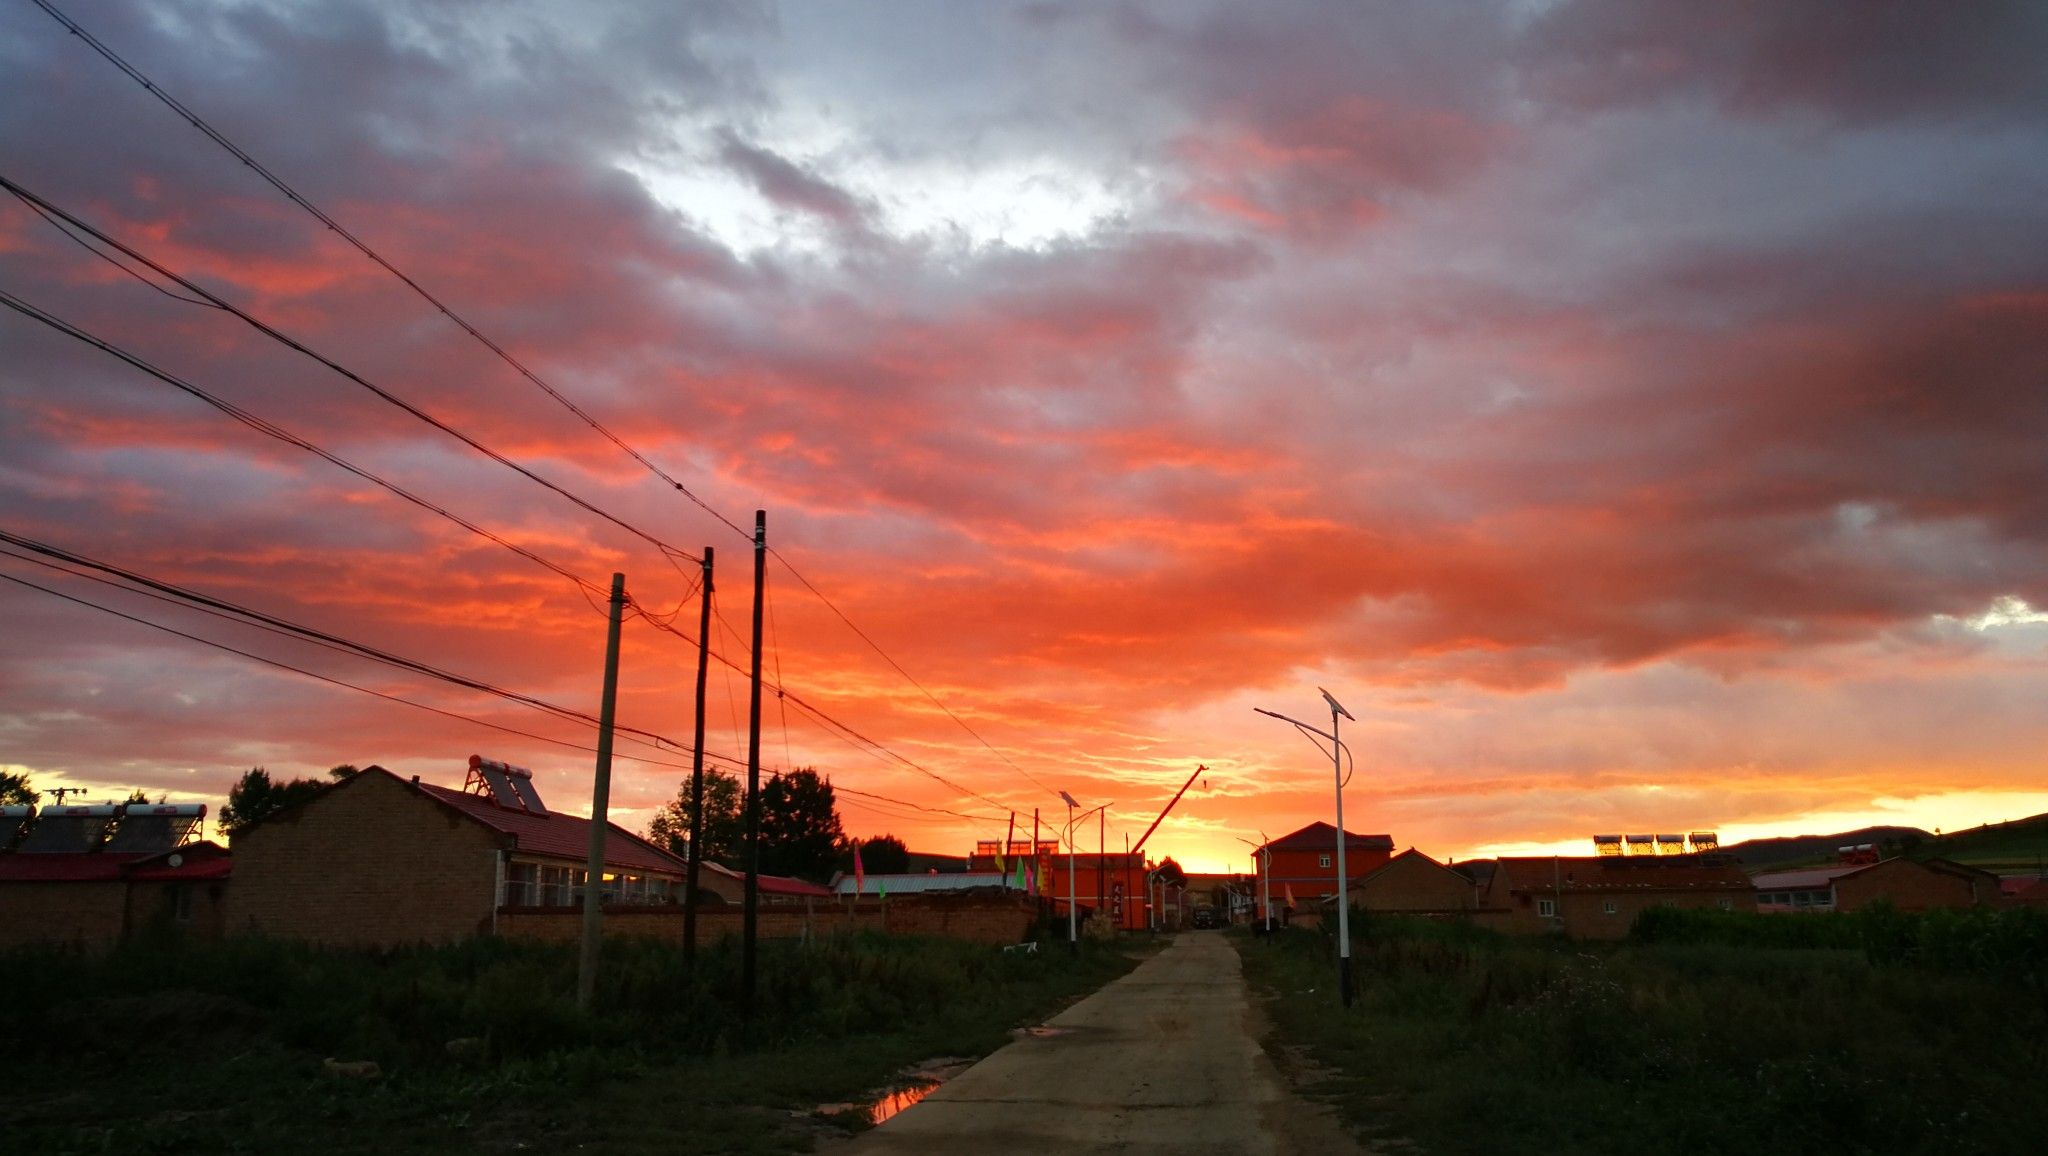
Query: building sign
(1116,899)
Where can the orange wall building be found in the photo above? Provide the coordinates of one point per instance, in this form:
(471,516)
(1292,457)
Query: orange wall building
(1304,863)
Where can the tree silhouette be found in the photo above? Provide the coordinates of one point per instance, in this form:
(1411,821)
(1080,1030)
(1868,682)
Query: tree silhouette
(879,855)
(800,831)
(256,797)
(16,792)
(725,823)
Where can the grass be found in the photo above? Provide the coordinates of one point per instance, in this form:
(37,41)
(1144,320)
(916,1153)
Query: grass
(221,1047)
(1464,1041)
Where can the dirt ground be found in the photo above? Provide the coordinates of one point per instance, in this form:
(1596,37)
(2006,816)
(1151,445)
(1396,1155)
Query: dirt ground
(1164,1060)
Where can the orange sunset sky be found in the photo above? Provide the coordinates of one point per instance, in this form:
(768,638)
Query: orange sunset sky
(1634,413)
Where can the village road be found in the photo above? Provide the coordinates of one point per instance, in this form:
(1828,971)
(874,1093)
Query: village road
(1164,1060)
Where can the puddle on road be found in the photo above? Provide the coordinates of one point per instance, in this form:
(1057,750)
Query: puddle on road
(1039,1031)
(914,1084)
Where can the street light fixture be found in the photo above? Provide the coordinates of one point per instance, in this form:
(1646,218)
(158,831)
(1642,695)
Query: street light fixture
(1338,751)
(1265,850)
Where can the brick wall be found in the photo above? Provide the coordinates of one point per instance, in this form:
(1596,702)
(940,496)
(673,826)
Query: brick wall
(1909,885)
(89,914)
(368,862)
(152,908)
(978,920)
(1414,883)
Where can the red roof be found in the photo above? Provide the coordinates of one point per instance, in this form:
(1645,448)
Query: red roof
(65,867)
(203,860)
(555,835)
(773,884)
(1323,836)
(1621,873)
(189,863)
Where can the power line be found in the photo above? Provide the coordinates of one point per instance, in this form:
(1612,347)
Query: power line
(59,218)
(49,556)
(341,682)
(292,194)
(363,247)
(271,429)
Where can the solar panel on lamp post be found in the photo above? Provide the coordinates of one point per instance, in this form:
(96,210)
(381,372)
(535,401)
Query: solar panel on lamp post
(1337,752)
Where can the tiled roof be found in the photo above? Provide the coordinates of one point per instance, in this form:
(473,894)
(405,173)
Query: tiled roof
(555,835)
(1320,836)
(1802,880)
(65,867)
(775,884)
(1608,873)
(915,882)
(203,860)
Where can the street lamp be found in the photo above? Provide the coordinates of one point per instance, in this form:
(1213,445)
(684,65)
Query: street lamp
(1073,930)
(1337,752)
(1265,850)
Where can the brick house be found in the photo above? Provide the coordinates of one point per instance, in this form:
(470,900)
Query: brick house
(379,860)
(1305,863)
(1414,883)
(1599,897)
(1907,884)
(93,875)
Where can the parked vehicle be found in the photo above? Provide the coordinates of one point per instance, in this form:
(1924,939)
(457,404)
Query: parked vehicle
(1205,919)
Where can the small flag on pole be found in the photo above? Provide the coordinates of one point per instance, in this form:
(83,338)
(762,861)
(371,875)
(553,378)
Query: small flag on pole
(882,889)
(860,875)
(1289,889)
(1021,884)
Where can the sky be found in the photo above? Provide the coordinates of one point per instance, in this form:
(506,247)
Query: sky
(1633,413)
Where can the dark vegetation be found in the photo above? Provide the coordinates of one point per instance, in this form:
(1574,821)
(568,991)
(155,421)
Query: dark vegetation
(221,1048)
(1875,1033)
(801,833)
(256,796)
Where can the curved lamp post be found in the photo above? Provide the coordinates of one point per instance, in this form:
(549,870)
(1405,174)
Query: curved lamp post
(1265,877)
(1337,753)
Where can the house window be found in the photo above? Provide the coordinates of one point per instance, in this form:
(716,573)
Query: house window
(1547,908)
(1607,906)
(1724,903)
(522,885)
(1322,860)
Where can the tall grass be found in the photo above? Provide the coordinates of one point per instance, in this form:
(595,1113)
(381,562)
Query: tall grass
(401,1007)
(1467,1041)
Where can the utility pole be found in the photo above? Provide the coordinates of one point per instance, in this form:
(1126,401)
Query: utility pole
(1073,911)
(1101,857)
(753,891)
(1009,851)
(1037,883)
(600,803)
(1343,881)
(696,848)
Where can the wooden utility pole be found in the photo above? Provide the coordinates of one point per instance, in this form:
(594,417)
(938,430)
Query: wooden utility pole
(1009,851)
(696,848)
(753,891)
(1101,856)
(600,803)
(1037,888)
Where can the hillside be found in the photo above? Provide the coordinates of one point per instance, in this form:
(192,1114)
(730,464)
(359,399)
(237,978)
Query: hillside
(2015,847)
(1806,850)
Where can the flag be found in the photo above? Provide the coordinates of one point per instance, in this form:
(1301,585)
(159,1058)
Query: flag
(860,875)
(1289,889)
(882,889)
(999,863)
(1021,884)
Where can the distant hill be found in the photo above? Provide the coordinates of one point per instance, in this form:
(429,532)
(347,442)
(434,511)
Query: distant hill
(2016,847)
(1805,850)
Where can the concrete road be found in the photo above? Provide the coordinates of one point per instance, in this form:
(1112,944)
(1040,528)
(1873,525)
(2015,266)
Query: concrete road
(1164,1060)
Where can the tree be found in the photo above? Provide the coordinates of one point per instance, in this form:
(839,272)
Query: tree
(800,831)
(725,820)
(255,797)
(1171,873)
(344,772)
(879,855)
(16,792)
